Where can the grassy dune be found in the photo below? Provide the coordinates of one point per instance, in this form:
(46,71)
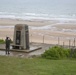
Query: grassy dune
(36,66)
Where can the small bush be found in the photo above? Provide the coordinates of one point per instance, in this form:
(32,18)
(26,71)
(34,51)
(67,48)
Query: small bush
(56,52)
(73,53)
(2,41)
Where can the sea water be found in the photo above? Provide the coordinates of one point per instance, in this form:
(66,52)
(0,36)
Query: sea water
(62,10)
(38,9)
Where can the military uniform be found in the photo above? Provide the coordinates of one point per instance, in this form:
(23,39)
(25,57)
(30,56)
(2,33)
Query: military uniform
(7,45)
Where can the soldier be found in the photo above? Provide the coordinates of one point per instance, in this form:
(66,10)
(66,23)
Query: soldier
(7,45)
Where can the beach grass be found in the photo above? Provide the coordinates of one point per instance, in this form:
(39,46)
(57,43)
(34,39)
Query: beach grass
(36,66)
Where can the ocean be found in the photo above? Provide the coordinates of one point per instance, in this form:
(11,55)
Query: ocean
(38,9)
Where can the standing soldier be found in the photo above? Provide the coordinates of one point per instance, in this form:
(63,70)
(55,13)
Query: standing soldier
(7,45)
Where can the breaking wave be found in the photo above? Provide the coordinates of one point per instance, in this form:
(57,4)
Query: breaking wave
(30,16)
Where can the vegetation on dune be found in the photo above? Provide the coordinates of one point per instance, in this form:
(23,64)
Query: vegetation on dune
(2,41)
(58,52)
(36,66)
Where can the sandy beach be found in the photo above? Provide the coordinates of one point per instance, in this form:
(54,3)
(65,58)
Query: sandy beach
(43,31)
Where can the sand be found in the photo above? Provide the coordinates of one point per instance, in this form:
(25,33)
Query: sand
(44,35)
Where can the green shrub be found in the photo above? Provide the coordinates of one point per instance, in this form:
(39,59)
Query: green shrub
(56,52)
(2,41)
(73,53)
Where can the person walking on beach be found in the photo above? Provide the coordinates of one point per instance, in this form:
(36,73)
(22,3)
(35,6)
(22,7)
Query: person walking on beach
(7,42)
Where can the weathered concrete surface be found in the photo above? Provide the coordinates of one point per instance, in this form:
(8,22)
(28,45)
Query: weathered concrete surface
(36,49)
